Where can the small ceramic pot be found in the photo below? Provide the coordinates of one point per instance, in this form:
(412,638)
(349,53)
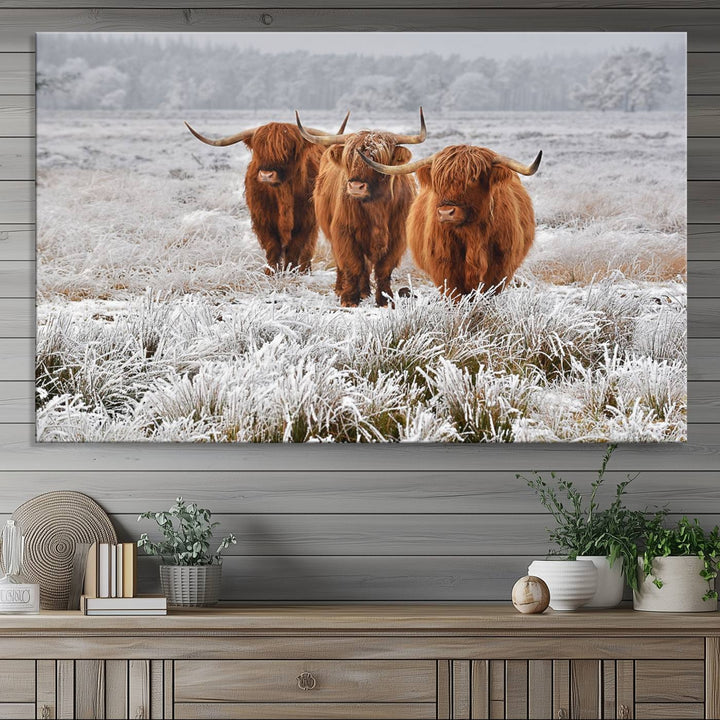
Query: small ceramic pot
(191,585)
(571,582)
(682,589)
(610,582)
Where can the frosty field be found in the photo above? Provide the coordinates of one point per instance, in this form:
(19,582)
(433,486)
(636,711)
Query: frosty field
(157,322)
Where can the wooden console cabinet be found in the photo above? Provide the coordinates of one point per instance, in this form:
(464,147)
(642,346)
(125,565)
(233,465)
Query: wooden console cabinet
(361,662)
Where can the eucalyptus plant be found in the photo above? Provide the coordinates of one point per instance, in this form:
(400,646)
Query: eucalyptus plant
(686,539)
(582,527)
(187,530)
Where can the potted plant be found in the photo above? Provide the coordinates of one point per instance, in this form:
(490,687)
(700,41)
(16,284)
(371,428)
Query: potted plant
(606,537)
(190,574)
(677,568)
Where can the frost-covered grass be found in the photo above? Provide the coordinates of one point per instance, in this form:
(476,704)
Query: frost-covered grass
(157,322)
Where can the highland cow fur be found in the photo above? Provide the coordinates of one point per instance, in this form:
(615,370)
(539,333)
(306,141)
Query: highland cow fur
(283,216)
(365,234)
(494,227)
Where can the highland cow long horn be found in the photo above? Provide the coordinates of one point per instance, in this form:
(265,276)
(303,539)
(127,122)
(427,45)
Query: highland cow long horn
(398,169)
(519,167)
(338,139)
(413,139)
(344,123)
(222,142)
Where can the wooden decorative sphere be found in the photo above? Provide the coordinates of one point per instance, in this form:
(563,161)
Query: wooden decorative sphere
(530,594)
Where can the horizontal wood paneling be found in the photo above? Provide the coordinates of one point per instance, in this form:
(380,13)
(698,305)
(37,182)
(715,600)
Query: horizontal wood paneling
(368,4)
(17,242)
(393,492)
(703,115)
(703,158)
(18,25)
(703,240)
(17,201)
(391,523)
(307,534)
(19,451)
(17,115)
(305,711)
(17,158)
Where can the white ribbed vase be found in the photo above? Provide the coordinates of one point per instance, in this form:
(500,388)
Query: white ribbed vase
(571,582)
(610,582)
(682,589)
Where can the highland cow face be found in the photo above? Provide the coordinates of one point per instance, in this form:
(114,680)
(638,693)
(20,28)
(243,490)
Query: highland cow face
(362,182)
(460,177)
(276,148)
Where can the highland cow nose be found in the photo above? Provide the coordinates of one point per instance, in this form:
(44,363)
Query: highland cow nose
(267,176)
(355,187)
(446,213)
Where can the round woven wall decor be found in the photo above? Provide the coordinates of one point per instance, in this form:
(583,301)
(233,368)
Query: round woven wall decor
(52,524)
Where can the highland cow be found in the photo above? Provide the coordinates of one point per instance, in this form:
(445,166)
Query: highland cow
(361,212)
(472,223)
(279,184)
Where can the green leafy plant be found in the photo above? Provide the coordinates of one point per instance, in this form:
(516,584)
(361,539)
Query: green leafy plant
(187,531)
(686,539)
(583,528)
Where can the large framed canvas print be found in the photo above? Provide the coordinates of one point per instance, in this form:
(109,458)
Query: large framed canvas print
(489,248)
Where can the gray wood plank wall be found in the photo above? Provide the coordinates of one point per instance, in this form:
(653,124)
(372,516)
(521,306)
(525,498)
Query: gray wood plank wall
(400,523)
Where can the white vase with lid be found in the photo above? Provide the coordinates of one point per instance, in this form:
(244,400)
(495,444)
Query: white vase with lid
(572,583)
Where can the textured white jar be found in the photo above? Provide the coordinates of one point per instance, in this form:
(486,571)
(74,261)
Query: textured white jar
(610,582)
(571,582)
(682,589)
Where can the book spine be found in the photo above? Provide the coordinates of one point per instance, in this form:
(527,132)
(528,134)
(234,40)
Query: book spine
(113,571)
(129,570)
(104,570)
(119,548)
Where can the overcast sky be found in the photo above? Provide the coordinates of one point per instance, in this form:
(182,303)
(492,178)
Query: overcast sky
(468,45)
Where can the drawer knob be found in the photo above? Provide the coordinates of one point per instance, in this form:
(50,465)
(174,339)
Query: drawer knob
(562,715)
(624,713)
(306,681)
(45,712)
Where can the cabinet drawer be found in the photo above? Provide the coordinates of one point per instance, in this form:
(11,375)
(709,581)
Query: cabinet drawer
(672,681)
(363,681)
(17,711)
(17,681)
(671,711)
(305,711)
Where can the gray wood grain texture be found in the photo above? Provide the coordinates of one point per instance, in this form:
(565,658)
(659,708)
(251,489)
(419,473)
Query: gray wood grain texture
(391,523)
(19,24)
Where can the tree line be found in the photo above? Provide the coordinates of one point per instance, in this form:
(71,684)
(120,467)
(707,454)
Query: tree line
(81,71)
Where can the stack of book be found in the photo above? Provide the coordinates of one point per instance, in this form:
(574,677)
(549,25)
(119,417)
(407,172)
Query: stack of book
(111,583)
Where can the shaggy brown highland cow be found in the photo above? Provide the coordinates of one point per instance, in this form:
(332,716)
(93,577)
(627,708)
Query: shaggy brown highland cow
(362,212)
(279,184)
(472,223)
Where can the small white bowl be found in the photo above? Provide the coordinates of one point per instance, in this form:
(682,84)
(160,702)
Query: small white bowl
(571,582)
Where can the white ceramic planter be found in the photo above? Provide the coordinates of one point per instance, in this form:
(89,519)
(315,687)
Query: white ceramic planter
(682,589)
(571,582)
(610,582)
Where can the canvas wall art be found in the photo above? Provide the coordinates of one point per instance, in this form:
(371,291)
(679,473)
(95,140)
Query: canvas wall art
(361,237)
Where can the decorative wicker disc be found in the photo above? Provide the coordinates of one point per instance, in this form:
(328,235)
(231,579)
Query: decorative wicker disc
(52,524)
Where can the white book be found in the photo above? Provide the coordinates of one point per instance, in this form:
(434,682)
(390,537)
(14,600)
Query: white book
(140,602)
(119,570)
(125,612)
(104,570)
(113,571)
